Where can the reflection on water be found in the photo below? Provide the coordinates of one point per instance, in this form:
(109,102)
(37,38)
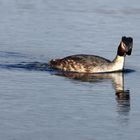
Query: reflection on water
(122,95)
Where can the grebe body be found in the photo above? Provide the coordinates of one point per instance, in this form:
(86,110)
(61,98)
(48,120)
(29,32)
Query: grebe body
(84,63)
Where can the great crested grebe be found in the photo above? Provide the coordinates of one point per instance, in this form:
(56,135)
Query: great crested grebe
(95,64)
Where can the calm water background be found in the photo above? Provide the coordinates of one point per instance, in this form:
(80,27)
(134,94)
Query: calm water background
(36,105)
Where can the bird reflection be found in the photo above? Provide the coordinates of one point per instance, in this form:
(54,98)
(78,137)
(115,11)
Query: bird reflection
(122,95)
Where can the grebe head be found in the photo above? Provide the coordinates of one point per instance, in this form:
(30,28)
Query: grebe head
(125,47)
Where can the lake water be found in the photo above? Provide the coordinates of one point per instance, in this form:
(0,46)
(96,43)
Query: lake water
(38,104)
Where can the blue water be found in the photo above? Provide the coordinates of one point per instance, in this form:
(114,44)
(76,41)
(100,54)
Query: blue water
(37,103)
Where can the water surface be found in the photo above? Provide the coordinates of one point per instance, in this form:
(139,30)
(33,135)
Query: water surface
(38,103)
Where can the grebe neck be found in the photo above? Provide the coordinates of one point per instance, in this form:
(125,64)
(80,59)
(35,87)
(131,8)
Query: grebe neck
(118,62)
